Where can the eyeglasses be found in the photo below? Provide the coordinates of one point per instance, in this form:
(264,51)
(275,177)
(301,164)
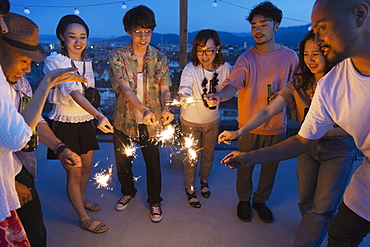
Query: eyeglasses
(146,33)
(208,52)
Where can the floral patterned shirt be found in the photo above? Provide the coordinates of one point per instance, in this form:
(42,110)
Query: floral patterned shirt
(123,68)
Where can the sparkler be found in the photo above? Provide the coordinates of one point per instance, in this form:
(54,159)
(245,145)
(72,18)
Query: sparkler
(168,134)
(103,178)
(130,149)
(189,145)
(189,100)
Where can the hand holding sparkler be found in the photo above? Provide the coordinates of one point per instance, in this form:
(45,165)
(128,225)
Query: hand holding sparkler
(69,159)
(237,159)
(149,118)
(226,136)
(167,117)
(104,124)
(212,99)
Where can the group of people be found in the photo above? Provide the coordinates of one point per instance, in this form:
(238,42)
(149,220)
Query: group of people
(325,89)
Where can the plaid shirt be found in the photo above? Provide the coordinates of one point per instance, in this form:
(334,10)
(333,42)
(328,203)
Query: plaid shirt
(123,68)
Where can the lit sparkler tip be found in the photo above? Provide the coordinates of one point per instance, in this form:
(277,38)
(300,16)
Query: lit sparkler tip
(103,178)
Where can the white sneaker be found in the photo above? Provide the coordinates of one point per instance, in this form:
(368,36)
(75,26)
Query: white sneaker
(123,202)
(156,213)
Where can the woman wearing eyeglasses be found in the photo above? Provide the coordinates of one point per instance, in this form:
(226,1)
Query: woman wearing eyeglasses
(204,74)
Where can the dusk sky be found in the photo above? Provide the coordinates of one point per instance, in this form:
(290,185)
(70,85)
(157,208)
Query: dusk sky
(105,20)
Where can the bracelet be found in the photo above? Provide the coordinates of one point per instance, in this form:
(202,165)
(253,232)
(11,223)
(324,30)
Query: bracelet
(60,148)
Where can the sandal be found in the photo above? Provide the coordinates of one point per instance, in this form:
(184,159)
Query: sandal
(93,207)
(100,228)
(206,193)
(191,196)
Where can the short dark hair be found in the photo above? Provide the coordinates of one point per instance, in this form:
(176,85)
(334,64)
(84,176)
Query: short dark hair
(139,17)
(201,40)
(4,7)
(268,10)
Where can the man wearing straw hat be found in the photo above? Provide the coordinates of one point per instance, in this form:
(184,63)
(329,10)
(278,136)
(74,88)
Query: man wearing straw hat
(18,48)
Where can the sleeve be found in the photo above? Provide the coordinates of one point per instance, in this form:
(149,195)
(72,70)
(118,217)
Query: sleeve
(164,71)
(287,92)
(66,87)
(187,80)
(118,70)
(238,75)
(14,132)
(318,121)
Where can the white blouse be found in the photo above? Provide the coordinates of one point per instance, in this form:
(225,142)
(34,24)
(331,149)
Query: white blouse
(65,109)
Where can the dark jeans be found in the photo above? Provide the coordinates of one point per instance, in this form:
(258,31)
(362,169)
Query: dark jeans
(153,168)
(30,213)
(347,228)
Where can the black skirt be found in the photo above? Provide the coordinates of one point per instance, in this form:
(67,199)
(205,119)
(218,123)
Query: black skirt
(80,137)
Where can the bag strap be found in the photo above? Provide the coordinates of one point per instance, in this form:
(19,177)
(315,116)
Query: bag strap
(78,72)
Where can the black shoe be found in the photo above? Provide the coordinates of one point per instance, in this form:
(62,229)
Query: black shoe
(244,211)
(263,212)
(191,196)
(204,185)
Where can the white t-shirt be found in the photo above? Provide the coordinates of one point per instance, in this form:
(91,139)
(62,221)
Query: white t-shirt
(140,95)
(342,97)
(191,84)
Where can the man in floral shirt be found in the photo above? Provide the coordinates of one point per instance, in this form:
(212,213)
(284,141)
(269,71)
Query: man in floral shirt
(140,77)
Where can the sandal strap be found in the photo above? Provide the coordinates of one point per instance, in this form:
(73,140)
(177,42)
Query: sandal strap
(86,226)
(190,196)
(203,185)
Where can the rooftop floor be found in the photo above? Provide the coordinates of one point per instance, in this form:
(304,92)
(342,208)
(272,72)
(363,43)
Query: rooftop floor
(214,224)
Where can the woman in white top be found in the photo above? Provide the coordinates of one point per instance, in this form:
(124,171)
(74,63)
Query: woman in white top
(204,74)
(72,115)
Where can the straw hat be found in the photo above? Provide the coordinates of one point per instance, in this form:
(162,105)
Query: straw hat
(22,37)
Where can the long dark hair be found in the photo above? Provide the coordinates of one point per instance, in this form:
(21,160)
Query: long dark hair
(201,40)
(303,73)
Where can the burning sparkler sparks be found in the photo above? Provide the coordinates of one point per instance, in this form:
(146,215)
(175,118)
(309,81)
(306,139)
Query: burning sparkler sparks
(189,100)
(189,145)
(167,135)
(103,178)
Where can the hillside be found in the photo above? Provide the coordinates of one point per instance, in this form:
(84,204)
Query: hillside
(289,36)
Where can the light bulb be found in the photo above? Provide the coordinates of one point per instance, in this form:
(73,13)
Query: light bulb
(123,6)
(26,11)
(77,12)
(214,4)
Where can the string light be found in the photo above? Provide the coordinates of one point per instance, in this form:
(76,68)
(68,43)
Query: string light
(124,6)
(77,12)
(26,11)
(214,4)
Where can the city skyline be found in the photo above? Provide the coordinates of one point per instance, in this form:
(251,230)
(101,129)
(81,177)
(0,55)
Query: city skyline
(104,17)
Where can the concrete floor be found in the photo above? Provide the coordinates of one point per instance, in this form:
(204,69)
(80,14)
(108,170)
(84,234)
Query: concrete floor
(214,224)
